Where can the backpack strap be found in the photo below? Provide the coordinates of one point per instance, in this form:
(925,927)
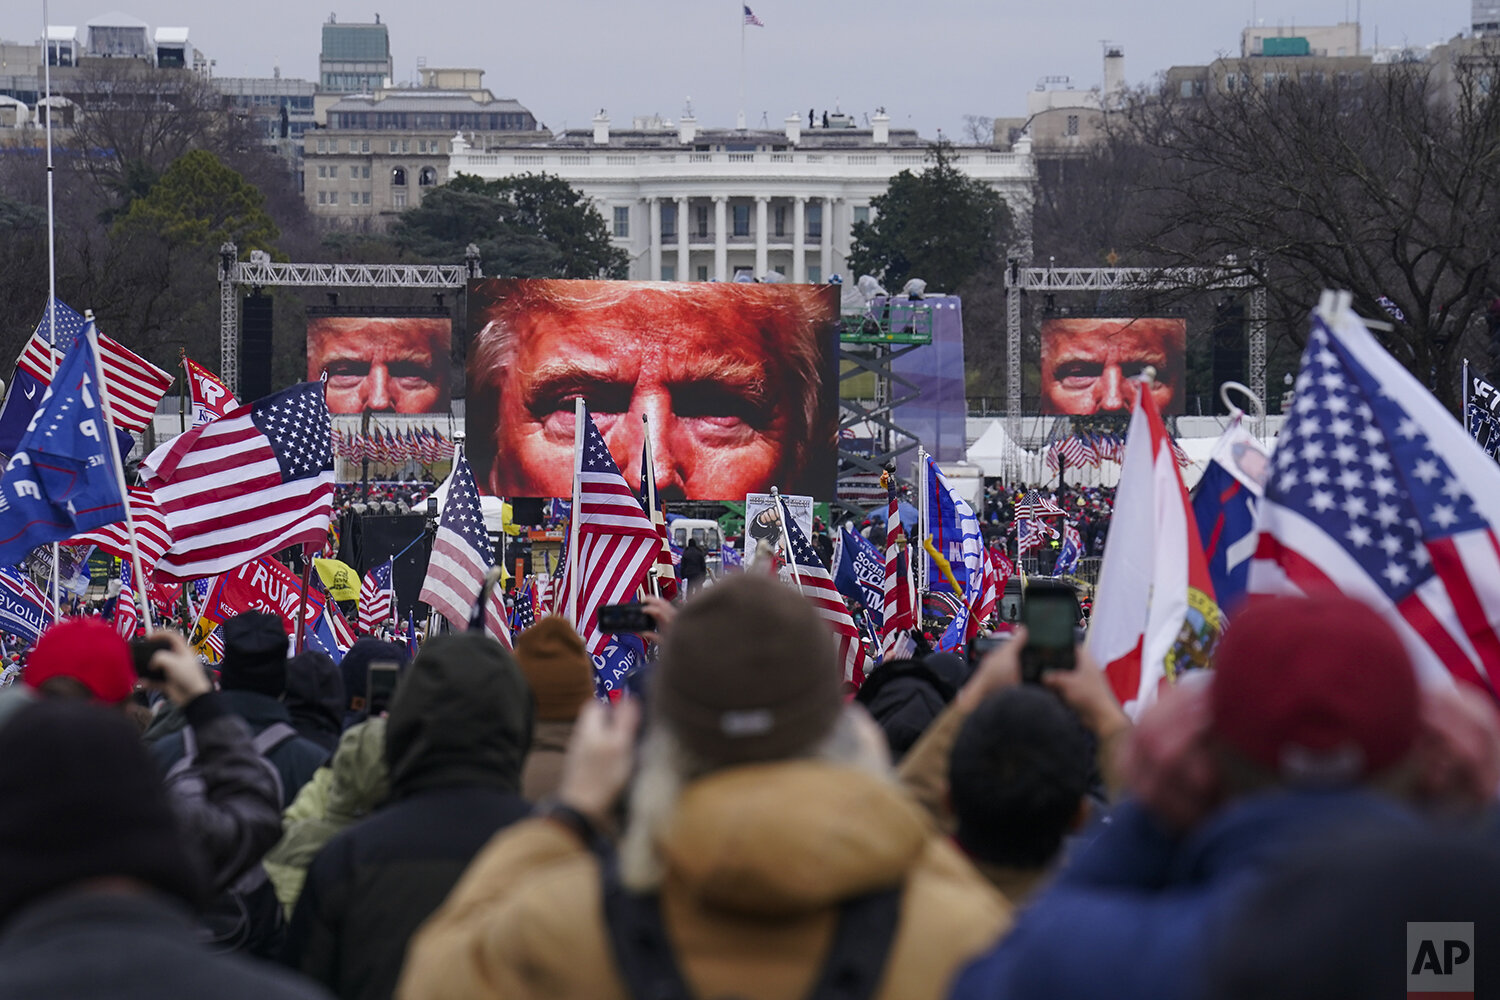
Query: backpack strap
(271,737)
(861,946)
(189,746)
(638,935)
(643,952)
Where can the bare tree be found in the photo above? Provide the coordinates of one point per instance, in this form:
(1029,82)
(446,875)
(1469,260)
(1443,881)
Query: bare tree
(979,130)
(1382,183)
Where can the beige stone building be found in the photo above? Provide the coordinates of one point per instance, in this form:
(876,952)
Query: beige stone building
(380,152)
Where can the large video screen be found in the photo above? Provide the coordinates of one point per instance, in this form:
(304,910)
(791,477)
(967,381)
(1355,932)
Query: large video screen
(1087,363)
(739,383)
(389,364)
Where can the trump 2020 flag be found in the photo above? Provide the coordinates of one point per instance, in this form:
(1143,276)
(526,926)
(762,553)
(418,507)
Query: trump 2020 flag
(62,479)
(860,573)
(1377,491)
(1154,610)
(1224,504)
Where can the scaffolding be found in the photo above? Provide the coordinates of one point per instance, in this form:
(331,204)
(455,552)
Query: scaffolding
(1019,279)
(261,272)
(871,342)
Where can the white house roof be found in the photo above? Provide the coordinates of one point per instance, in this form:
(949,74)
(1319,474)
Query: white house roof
(171,35)
(116,19)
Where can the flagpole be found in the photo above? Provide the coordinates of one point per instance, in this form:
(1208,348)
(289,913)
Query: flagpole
(1464,406)
(786,535)
(649,474)
(182,399)
(580,413)
(307,568)
(52,274)
(740,120)
(92,333)
(924,516)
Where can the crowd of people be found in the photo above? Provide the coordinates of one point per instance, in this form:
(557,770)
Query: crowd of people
(474,823)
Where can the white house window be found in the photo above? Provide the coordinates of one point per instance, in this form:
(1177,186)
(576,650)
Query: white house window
(622,220)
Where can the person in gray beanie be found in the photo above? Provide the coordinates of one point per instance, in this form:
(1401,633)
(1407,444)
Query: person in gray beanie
(762,823)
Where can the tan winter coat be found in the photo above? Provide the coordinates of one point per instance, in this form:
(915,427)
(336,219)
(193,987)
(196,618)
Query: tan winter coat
(758,859)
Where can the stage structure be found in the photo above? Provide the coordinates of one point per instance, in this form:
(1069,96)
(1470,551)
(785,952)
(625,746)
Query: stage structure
(1019,279)
(871,342)
(261,272)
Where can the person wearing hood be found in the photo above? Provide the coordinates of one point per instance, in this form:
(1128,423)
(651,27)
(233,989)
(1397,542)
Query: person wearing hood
(357,781)
(766,850)
(315,697)
(355,667)
(457,735)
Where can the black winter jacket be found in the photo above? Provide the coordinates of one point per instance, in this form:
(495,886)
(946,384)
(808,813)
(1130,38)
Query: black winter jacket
(458,732)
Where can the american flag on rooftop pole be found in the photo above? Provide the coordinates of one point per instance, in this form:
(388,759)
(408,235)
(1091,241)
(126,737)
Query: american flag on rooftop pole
(751,20)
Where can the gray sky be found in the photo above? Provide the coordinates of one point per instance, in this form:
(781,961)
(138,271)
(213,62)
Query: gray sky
(928,63)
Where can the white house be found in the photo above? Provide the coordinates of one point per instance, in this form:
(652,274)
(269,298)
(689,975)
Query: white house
(692,204)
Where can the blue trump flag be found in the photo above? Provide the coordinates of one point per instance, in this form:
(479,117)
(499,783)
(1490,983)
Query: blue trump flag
(1224,504)
(22,606)
(62,479)
(860,574)
(623,653)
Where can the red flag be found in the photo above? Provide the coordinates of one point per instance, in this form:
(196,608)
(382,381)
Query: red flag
(210,396)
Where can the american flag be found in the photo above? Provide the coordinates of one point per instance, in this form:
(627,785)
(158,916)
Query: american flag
(1090,453)
(861,489)
(211,397)
(524,615)
(752,20)
(1034,505)
(375,599)
(126,613)
(461,556)
(664,569)
(1031,532)
(817,586)
(617,543)
(343,634)
(1377,491)
(151,532)
(256,480)
(898,611)
(135,385)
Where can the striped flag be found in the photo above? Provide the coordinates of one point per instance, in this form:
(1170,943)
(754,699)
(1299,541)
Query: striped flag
(664,571)
(751,20)
(461,556)
(1033,504)
(524,615)
(375,598)
(256,480)
(817,586)
(617,543)
(899,615)
(151,532)
(126,613)
(1377,491)
(135,384)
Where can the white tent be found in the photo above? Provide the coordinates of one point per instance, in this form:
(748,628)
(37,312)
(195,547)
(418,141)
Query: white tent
(995,452)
